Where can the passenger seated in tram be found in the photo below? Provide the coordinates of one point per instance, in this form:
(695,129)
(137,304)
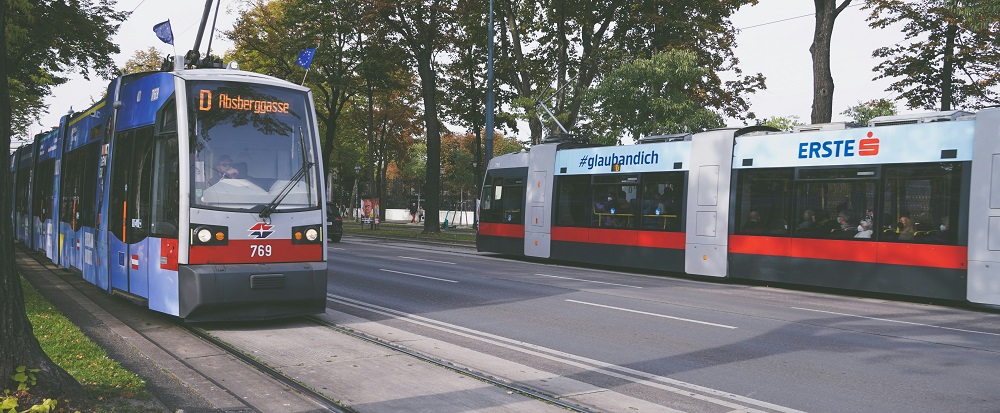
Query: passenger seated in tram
(651,208)
(754,224)
(847,228)
(864,229)
(808,221)
(844,219)
(602,210)
(826,225)
(906,229)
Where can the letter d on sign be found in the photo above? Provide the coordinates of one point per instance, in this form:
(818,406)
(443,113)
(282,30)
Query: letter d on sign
(205,100)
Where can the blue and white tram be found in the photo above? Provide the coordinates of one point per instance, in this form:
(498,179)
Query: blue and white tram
(197,192)
(907,205)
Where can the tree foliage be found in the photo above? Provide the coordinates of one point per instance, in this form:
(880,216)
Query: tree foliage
(654,96)
(555,52)
(144,61)
(782,123)
(48,38)
(950,57)
(866,111)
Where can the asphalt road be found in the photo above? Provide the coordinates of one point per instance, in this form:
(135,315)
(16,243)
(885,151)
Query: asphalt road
(687,345)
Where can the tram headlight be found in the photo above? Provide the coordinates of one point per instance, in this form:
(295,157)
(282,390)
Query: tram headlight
(204,235)
(307,234)
(209,235)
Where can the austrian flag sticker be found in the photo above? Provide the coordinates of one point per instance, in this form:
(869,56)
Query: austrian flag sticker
(135,261)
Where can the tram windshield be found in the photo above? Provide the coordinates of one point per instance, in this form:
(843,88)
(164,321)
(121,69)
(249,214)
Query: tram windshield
(251,147)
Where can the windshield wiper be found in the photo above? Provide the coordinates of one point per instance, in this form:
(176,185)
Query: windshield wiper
(271,206)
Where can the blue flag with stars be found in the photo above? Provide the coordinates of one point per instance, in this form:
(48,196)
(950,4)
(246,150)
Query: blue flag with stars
(163,31)
(305,58)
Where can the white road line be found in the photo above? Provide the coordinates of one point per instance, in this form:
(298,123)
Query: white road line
(422,259)
(589,281)
(718,397)
(417,275)
(896,321)
(653,314)
(337,248)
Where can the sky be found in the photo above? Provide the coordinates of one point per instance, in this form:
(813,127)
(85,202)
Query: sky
(774,40)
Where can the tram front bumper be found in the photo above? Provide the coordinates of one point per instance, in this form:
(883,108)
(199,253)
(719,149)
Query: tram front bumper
(251,291)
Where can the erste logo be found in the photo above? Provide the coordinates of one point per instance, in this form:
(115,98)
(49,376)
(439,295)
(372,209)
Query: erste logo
(840,148)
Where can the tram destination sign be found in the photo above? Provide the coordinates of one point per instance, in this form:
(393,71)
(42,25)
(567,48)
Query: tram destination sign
(224,101)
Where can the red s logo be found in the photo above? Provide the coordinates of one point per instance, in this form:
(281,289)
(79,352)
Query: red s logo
(868,147)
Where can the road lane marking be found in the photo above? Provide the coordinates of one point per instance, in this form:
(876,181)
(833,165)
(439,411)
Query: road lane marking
(337,248)
(417,275)
(589,281)
(896,321)
(718,397)
(423,259)
(653,314)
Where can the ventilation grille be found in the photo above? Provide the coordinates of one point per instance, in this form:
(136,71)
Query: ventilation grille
(267,281)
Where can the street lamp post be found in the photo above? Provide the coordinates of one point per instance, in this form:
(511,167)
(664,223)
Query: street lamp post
(357,190)
(475,195)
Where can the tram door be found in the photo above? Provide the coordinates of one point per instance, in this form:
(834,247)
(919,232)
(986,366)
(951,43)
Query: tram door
(129,207)
(538,201)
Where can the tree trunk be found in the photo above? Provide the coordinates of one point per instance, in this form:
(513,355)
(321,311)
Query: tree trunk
(826,14)
(428,88)
(18,345)
(948,66)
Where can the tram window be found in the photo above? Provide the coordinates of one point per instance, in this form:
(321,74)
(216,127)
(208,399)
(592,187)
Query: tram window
(79,187)
(763,203)
(87,214)
(572,204)
(503,200)
(922,203)
(834,209)
(166,176)
(661,201)
(616,201)
(42,200)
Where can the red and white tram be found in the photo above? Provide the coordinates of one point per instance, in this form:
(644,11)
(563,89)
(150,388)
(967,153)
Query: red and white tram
(906,205)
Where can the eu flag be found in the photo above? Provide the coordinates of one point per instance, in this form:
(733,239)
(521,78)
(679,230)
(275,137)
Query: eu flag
(163,31)
(305,58)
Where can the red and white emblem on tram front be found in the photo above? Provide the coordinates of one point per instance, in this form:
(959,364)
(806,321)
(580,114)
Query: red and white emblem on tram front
(261,230)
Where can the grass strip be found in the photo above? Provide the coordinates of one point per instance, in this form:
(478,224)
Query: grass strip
(387,230)
(105,381)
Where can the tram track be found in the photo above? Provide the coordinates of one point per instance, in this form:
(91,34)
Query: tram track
(317,397)
(526,391)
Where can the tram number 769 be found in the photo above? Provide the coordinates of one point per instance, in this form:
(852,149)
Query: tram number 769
(260,251)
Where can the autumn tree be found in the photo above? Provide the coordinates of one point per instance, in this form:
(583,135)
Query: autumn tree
(39,41)
(421,27)
(826,14)
(950,57)
(144,61)
(653,96)
(866,111)
(268,37)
